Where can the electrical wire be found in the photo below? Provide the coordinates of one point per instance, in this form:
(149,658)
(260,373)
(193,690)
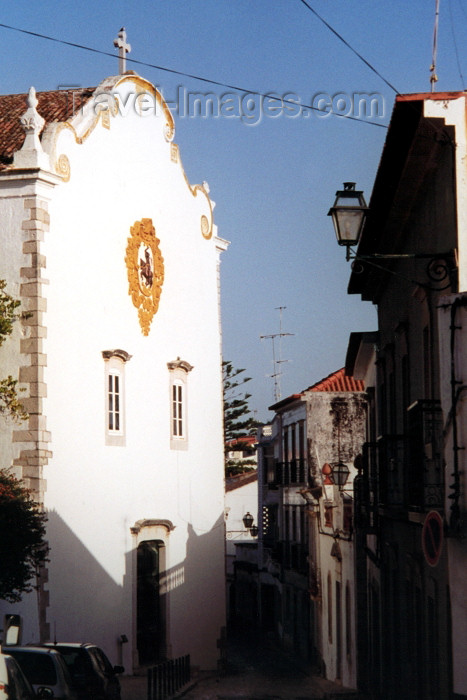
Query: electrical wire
(344,41)
(209,81)
(440,130)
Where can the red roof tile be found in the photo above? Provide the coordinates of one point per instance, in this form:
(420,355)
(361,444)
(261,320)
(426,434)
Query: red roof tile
(338,381)
(283,403)
(244,440)
(53,106)
(239,480)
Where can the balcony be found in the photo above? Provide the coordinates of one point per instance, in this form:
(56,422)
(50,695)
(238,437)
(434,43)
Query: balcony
(391,458)
(291,473)
(404,471)
(424,473)
(292,556)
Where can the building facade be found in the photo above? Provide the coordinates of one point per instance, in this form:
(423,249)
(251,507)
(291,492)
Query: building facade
(411,495)
(115,257)
(306,551)
(241,506)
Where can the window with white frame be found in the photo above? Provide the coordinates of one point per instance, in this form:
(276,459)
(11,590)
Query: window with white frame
(114,415)
(178,422)
(115,361)
(178,375)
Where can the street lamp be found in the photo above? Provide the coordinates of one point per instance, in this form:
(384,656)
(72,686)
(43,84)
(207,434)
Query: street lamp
(340,473)
(248,520)
(348,215)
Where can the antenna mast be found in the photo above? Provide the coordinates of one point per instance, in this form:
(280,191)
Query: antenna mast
(433,76)
(277,361)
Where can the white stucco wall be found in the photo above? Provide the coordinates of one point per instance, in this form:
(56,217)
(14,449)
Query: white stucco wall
(238,502)
(333,439)
(96,492)
(454,112)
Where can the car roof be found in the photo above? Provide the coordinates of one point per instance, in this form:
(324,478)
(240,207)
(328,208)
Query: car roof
(74,645)
(32,647)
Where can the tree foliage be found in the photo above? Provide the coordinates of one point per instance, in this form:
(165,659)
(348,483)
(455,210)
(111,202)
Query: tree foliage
(23,549)
(238,421)
(9,401)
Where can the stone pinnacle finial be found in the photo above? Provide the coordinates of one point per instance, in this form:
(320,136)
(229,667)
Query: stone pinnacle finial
(31,154)
(31,120)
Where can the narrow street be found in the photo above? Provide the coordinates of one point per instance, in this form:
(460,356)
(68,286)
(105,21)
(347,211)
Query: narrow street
(255,671)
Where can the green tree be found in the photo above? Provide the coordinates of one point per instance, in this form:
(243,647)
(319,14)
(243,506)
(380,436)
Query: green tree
(23,549)
(238,421)
(9,401)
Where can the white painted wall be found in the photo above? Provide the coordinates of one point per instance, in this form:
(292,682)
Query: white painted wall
(328,444)
(95,492)
(238,502)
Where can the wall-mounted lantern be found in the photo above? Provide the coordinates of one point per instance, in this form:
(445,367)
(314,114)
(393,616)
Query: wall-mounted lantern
(340,473)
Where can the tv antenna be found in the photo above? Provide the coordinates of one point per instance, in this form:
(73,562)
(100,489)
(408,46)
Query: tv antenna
(433,76)
(277,361)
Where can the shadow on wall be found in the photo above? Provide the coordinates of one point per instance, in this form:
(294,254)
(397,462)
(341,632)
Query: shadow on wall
(97,608)
(100,610)
(87,605)
(200,602)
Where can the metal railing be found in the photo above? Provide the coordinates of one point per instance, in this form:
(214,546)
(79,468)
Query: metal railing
(167,677)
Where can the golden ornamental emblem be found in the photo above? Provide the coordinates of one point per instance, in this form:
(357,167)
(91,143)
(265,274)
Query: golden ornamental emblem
(145,266)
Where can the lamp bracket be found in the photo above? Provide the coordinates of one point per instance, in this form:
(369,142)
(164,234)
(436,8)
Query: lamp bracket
(439,269)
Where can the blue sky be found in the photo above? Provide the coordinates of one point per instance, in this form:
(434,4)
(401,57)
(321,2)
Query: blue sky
(273,178)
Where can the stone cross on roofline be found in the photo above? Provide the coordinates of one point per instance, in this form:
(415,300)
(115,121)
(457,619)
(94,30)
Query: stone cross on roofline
(123,48)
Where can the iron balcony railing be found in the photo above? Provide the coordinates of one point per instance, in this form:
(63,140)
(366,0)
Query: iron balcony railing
(403,470)
(293,472)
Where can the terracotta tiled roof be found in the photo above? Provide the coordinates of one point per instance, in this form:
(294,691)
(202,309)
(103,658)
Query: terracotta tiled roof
(245,440)
(283,403)
(239,480)
(338,381)
(53,106)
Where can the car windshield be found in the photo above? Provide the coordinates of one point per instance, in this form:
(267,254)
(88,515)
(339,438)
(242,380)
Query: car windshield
(77,662)
(39,669)
(17,679)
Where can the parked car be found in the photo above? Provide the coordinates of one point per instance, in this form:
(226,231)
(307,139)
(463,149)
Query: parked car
(45,670)
(93,675)
(13,683)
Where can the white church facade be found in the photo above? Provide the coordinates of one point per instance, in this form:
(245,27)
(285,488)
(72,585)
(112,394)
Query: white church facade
(115,257)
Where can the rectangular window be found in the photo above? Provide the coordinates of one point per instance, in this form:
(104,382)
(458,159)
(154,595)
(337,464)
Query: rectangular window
(114,417)
(178,404)
(114,390)
(427,362)
(286,445)
(177,411)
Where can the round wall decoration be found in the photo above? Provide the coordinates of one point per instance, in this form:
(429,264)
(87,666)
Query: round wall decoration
(145,266)
(432,537)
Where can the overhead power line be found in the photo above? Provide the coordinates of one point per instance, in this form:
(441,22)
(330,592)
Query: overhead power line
(344,41)
(193,76)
